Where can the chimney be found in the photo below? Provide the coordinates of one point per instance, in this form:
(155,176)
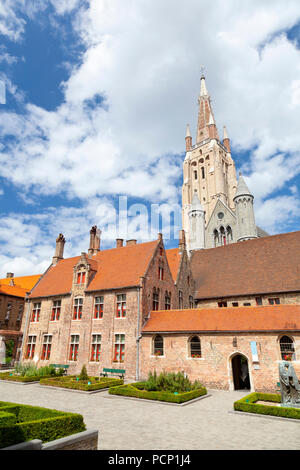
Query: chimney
(83,257)
(130,242)
(119,242)
(160,237)
(9,275)
(182,244)
(94,241)
(59,250)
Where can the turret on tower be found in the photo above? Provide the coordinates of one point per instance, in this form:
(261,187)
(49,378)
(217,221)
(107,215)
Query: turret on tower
(244,211)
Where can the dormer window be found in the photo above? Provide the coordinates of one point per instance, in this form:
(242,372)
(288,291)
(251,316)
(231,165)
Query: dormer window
(81,278)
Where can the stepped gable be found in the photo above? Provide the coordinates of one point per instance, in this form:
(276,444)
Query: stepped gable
(239,319)
(260,266)
(114,268)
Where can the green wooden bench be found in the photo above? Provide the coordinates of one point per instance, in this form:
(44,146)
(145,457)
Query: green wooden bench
(119,372)
(60,366)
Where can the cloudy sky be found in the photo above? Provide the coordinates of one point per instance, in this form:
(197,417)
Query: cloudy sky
(97,97)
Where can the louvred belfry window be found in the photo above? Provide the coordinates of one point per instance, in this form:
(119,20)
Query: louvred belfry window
(119,348)
(81,278)
(78,308)
(74,346)
(96,348)
(99,302)
(36,311)
(121,305)
(30,347)
(56,310)
(47,341)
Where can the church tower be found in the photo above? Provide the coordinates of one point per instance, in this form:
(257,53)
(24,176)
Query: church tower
(209,170)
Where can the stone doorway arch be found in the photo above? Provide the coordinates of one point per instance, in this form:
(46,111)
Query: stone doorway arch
(240,372)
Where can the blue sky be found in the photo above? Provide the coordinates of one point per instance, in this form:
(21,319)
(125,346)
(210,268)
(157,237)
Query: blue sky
(98,95)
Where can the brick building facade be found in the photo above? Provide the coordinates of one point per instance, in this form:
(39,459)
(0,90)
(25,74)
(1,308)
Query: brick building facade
(210,345)
(13,291)
(90,309)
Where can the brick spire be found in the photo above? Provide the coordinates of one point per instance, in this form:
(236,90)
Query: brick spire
(206,128)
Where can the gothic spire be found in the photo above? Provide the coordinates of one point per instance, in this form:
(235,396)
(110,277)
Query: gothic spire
(205,115)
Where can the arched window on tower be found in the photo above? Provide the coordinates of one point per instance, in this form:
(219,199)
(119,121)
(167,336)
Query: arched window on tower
(216,238)
(229,234)
(222,236)
(287,348)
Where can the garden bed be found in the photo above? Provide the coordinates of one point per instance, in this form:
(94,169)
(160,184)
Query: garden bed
(136,390)
(261,403)
(21,423)
(11,377)
(71,382)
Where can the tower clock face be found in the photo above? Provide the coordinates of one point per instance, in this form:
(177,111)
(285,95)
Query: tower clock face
(220,215)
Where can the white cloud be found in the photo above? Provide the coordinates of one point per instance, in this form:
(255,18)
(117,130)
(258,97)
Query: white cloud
(144,59)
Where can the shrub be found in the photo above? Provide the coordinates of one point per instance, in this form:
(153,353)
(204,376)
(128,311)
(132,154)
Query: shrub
(171,382)
(83,374)
(37,423)
(248,405)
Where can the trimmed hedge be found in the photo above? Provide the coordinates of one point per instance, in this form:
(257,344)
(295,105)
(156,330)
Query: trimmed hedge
(135,390)
(248,404)
(20,378)
(70,382)
(7,419)
(37,423)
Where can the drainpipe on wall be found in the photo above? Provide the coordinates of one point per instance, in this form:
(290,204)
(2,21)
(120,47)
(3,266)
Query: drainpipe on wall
(25,328)
(138,337)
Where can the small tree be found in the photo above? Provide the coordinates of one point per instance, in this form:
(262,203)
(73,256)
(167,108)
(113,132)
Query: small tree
(83,374)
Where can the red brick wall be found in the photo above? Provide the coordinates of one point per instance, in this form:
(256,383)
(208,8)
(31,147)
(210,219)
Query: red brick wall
(214,369)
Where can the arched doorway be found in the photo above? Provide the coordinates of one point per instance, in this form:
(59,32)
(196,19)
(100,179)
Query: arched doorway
(240,372)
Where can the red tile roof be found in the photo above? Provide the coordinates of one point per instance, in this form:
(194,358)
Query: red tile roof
(22,285)
(264,265)
(174,258)
(115,268)
(262,318)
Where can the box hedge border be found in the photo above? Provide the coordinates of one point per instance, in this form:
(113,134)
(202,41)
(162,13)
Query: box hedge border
(37,423)
(132,390)
(21,378)
(248,404)
(67,382)
(7,419)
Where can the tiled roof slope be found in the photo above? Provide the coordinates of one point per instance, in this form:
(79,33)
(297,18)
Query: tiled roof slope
(264,265)
(12,291)
(22,285)
(173,257)
(262,318)
(115,268)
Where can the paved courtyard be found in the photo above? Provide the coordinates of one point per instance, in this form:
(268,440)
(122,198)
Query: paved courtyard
(124,423)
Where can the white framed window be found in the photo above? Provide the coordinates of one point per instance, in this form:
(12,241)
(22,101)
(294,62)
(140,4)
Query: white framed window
(119,348)
(96,348)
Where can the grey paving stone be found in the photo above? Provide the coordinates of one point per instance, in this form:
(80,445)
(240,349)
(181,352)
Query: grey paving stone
(130,424)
